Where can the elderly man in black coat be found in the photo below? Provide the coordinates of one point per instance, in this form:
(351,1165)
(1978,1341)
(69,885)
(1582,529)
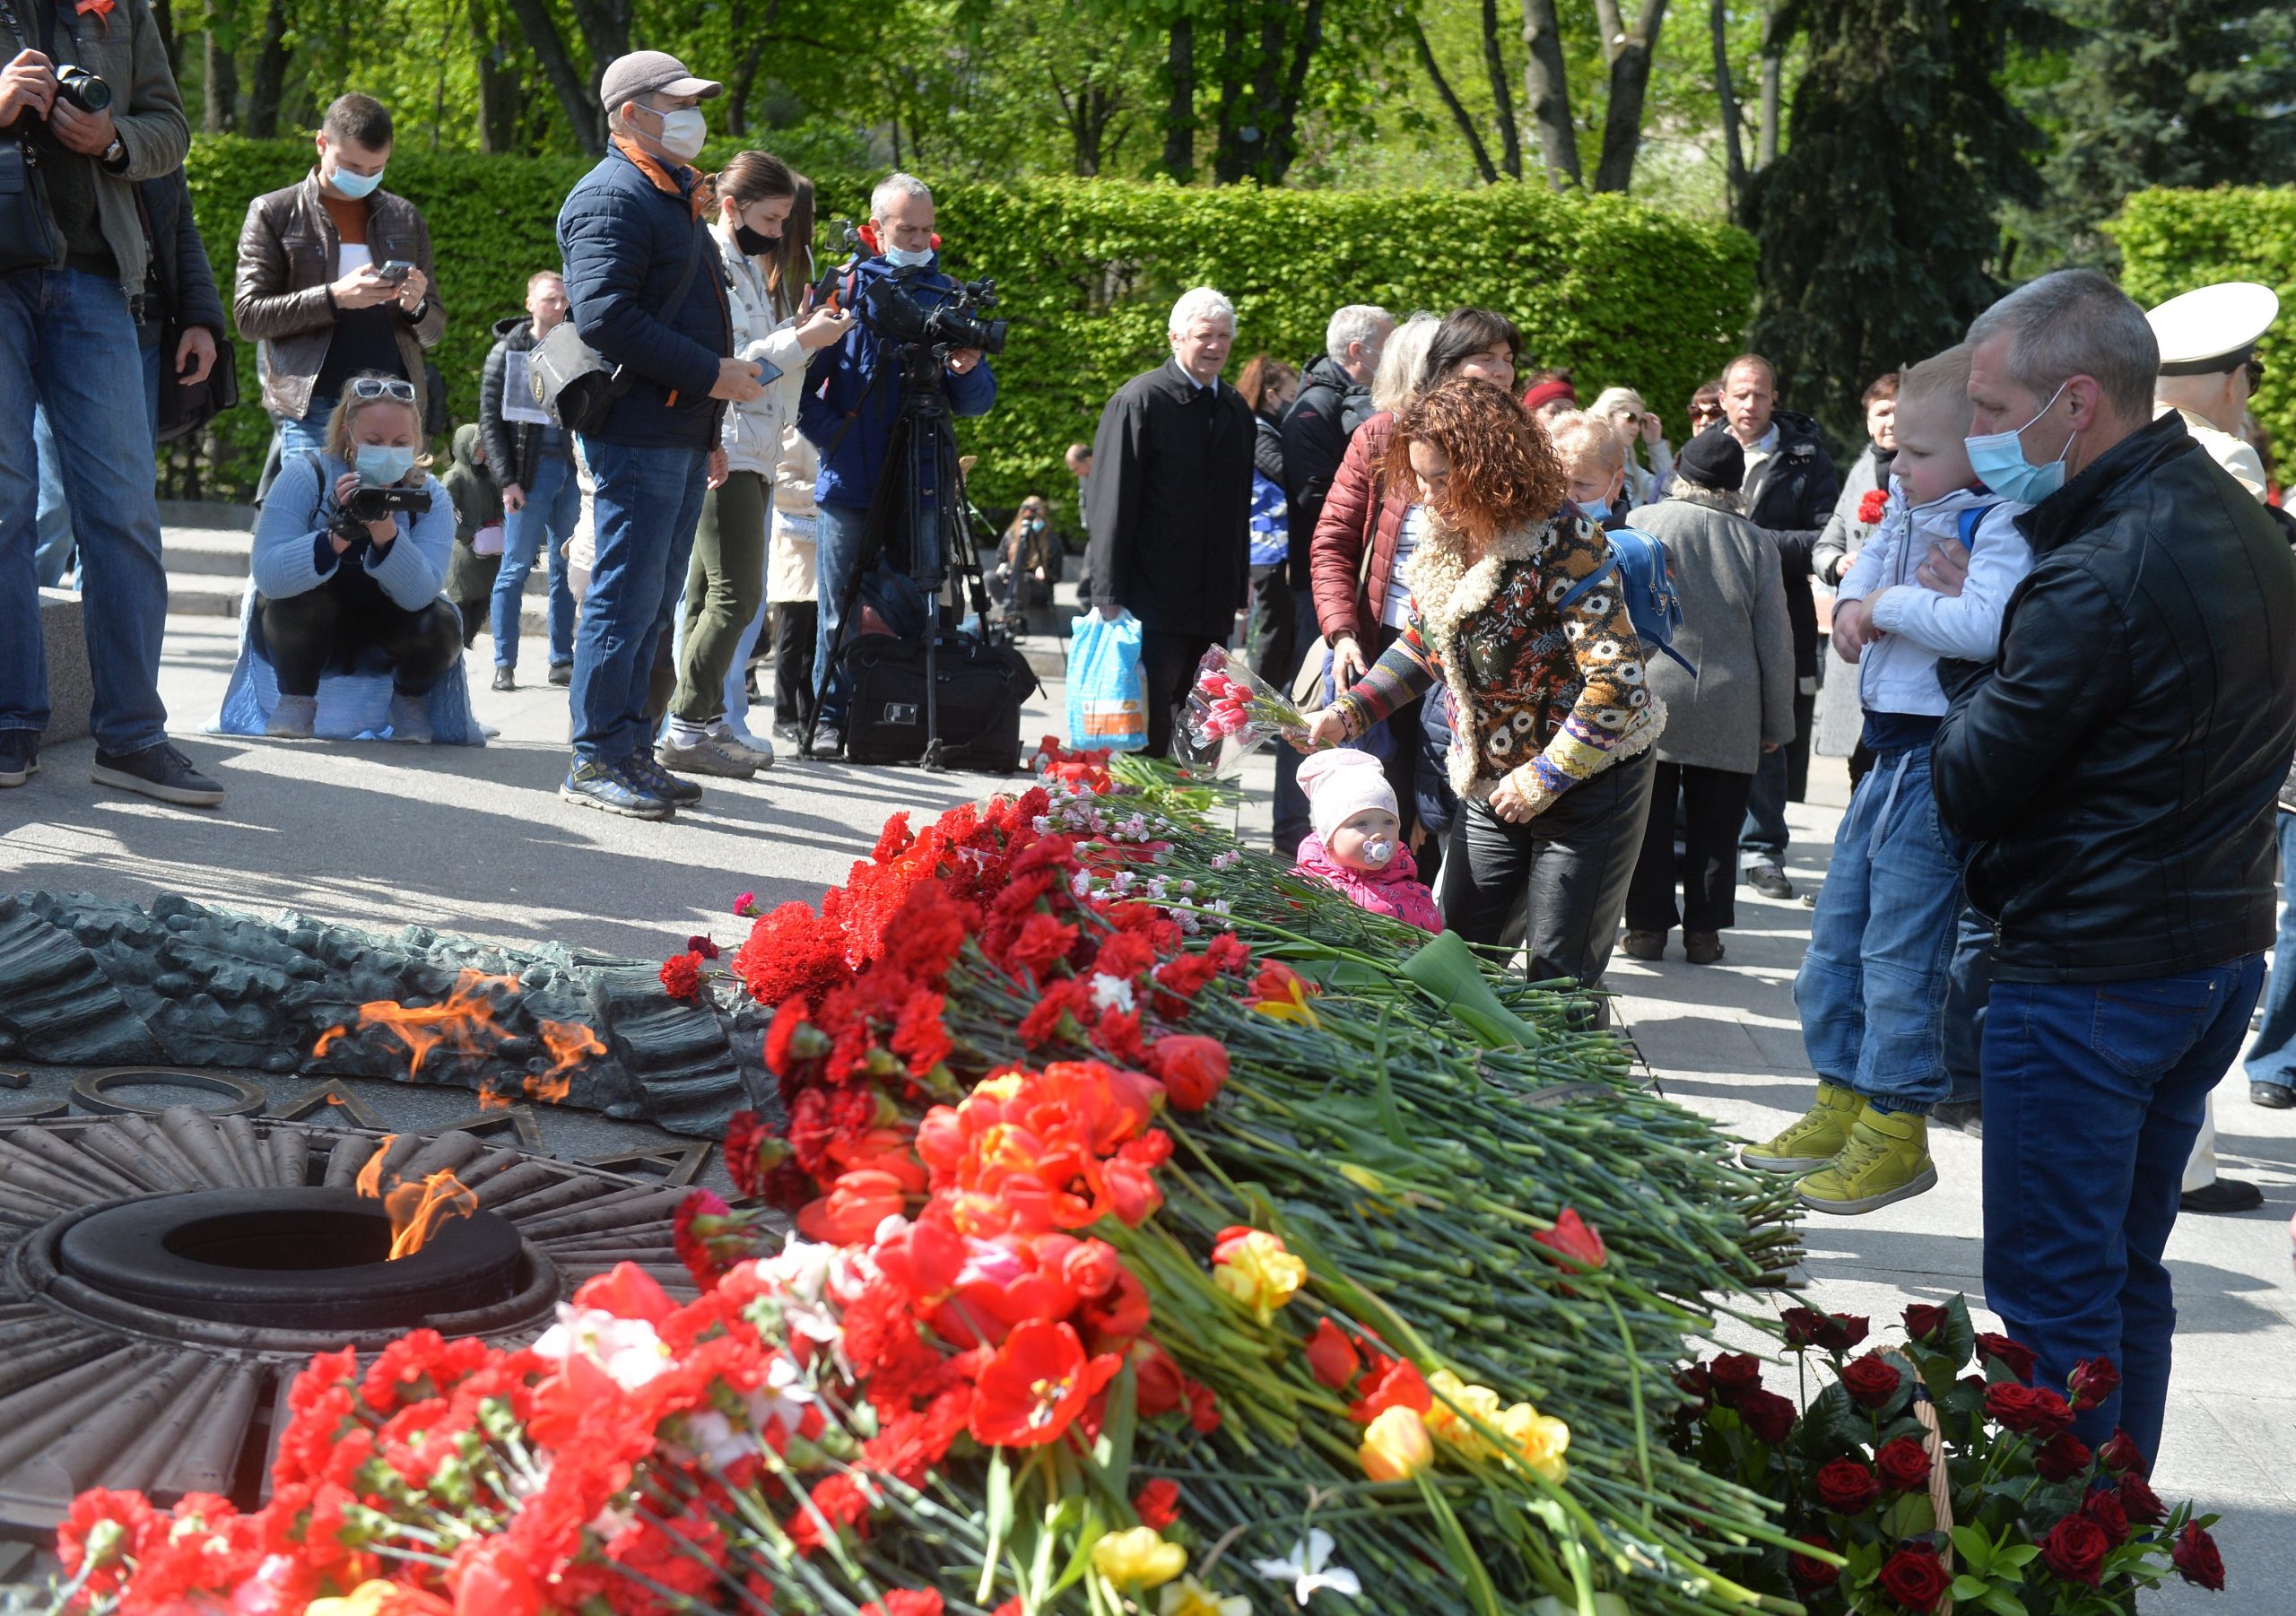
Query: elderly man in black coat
(1170,503)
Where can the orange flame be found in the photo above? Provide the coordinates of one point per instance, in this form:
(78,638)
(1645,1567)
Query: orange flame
(488,1101)
(417,1210)
(465,1023)
(569,1044)
(369,1183)
(328,1041)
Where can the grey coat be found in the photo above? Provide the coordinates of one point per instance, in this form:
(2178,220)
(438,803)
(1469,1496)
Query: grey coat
(1734,631)
(1840,720)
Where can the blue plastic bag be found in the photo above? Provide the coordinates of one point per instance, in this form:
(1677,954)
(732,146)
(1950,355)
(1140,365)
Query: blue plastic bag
(1107,703)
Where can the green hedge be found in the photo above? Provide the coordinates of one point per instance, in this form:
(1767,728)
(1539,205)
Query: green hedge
(2173,241)
(1088,270)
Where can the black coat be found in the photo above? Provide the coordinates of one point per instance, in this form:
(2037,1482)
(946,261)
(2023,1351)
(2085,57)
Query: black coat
(2118,770)
(1171,500)
(1792,493)
(1316,429)
(180,273)
(513,448)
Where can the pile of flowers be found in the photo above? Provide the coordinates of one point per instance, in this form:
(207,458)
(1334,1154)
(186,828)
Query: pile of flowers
(1992,1502)
(1131,1234)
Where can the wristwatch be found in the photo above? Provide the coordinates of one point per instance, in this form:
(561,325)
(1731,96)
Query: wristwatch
(115,154)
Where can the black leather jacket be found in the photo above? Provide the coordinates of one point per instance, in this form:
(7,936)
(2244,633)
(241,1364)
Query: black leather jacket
(1792,494)
(2118,769)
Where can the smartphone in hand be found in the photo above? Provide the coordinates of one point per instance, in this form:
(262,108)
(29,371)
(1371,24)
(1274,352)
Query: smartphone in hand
(395,270)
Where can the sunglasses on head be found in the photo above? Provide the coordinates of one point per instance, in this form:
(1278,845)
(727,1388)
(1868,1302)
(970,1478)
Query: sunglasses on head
(383,387)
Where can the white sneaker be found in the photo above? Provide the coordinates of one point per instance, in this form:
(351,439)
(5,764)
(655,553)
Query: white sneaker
(740,740)
(292,718)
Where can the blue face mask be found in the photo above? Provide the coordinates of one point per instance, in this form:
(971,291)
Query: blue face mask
(903,257)
(353,185)
(1593,511)
(1998,459)
(380,466)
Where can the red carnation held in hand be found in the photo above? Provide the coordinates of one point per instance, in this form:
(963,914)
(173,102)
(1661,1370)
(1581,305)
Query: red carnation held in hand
(1870,504)
(1914,1578)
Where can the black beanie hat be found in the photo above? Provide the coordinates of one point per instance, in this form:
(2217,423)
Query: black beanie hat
(1713,459)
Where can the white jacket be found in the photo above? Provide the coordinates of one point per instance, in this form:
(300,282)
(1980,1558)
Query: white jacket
(753,431)
(1898,673)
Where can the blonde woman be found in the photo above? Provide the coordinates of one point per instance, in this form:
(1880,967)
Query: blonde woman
(1635,423)
(336,594)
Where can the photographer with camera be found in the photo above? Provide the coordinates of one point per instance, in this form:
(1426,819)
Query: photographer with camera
(335,279)
(89,102)
(350,553)
(853,397)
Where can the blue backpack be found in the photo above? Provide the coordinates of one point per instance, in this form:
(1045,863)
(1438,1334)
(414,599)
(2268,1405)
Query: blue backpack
(1647,582)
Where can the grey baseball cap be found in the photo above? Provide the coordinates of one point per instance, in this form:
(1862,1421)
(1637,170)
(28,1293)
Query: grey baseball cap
(644,73)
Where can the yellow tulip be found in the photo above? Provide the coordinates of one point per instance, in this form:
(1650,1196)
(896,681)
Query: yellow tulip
(1138,1558)
(1256,1271)
(1539,1438)
(1396,1446)
(1189,1597)
(1456,1405)
(368,1599)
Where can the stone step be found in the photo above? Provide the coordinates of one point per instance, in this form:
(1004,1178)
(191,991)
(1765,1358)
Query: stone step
(211,594)
(219,552)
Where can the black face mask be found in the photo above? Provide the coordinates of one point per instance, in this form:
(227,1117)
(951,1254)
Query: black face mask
(754,245)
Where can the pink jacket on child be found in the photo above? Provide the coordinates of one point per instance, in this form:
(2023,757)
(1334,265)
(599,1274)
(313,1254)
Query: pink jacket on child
(1395,890)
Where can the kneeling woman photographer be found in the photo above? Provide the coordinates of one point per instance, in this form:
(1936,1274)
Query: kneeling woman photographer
(350,553)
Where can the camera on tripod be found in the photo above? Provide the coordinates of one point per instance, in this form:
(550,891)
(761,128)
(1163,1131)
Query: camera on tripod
(898,317)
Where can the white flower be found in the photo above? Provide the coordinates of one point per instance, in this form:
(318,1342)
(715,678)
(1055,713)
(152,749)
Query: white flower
(1156,889)
(1110,993)
(1304,1570)
(1083,884)
(783,1397)
(712,1436)
(626,1349)
(1042,823)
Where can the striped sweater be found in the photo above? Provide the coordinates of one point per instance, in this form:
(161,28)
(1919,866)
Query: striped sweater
(1550,695)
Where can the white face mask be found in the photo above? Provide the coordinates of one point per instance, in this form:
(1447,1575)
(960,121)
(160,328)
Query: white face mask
(682,132)
(908,257)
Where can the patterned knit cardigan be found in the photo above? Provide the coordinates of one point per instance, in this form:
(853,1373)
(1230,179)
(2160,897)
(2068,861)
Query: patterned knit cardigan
(1550,695)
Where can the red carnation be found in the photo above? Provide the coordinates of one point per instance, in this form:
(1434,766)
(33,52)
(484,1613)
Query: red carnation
(1811,1576)
(1331,1356)
(2062,1457)
(2016,1358)
(2112,1520)
(1846,1487)
(1923,1321)
(1769,1416)
(2074,1549)
(906,1601)
(681,977)
(1872,1380)
(2121,1456)
(1733,1374)
(1916,1578)
(1158,1504)
(2196,1558)
(2140,1503)
(702,946)
(1870,504)
(1904,1465)
(2093,1379)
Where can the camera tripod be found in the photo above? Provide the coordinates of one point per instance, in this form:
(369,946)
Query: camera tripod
(921,507)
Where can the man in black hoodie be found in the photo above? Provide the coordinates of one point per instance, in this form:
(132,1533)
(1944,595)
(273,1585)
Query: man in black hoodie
(1790,489)
(533,458)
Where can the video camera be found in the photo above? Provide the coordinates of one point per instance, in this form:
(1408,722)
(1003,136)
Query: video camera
(367,504)
(889,307)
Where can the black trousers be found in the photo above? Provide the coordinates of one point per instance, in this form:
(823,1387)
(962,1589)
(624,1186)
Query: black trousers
(333,625)
(1713,807)
(1167,671)
(1573,863)
(796,624)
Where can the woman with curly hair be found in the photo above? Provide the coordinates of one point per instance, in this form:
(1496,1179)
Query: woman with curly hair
(1552,720)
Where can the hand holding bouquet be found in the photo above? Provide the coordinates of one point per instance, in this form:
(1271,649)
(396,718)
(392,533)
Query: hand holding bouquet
(1231,713)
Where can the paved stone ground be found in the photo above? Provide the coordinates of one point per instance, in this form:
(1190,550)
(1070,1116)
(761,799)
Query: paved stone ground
(479,840)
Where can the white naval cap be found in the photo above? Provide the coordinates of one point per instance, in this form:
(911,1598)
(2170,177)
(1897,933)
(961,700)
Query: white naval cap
(2210,330)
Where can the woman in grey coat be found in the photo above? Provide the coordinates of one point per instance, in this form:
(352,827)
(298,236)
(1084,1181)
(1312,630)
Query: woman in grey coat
(1741,705)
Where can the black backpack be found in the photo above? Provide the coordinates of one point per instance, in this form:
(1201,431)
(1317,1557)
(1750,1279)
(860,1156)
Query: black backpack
(979,691)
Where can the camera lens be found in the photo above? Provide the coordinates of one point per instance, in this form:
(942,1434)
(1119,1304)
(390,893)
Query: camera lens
(82,89)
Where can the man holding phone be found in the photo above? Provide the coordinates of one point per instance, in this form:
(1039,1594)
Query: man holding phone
(334,278)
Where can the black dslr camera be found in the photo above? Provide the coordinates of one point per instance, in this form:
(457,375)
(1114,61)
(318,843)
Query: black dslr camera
(368,504)
(81,88)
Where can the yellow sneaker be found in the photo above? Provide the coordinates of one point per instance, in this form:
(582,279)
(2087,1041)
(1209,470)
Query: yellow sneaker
(1886,1160)
(1812,1142)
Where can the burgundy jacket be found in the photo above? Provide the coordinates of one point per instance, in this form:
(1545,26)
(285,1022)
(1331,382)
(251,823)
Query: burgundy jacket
(1361,511)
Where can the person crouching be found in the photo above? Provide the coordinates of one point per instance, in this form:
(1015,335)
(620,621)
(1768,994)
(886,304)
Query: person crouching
(333,593)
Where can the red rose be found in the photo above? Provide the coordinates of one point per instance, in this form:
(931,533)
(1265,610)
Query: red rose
(2139,1502)
(1158,1504)
(2111,1519)
(2029,1410)
(2093,1380)
(1872,1380)
(1769,1416)
(1834,1331)
(1870,504)
(1914,1578)
(2122,1457)
(2196,1561)
(1698,1384)
(2074,1549)
(2015,1359)
(2062,1457)
(1846,1487)
(1733,1374)
(1811,1576)
(1904,1465)
(1923,1321)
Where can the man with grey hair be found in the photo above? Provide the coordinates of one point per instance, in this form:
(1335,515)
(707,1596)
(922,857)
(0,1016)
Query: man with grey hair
(2117,769)
(1170,512)
(852,397)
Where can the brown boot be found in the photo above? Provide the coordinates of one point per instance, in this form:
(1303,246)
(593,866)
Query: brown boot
(1643,945)
(1701,948)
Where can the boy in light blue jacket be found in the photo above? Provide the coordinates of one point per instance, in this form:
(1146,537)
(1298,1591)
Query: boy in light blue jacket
(1872,987)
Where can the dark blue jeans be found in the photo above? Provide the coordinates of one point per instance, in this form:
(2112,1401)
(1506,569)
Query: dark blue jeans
(539,528)
(1969,981)
(56,540)
(68,345)
(2094,1095)
(2272,1058)
(841,530)
(648,502)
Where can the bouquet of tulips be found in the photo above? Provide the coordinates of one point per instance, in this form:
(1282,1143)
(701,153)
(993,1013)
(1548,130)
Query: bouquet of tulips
(1231,713)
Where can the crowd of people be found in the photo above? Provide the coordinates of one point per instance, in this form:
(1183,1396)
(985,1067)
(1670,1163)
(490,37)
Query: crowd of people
(1563,676)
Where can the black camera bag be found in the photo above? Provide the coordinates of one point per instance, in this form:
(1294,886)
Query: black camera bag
(982,688)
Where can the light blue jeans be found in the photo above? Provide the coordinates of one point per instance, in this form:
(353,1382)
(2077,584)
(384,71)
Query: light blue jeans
(2272,1057)
(1873,984)
(68,344)
(648,502)
(843,529)
(539,527)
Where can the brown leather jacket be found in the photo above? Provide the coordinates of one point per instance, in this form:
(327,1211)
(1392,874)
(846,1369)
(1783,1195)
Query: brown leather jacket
(289,255)
(1360,514)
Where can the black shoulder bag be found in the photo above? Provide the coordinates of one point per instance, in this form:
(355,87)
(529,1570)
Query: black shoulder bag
(573,380)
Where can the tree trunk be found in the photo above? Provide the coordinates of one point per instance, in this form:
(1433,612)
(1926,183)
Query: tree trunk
(1773,73)
(605,29)
(1548,90)
(221,113)
(1630,82)
(1228,159)
(163,17)
(1733,148)
(1450,99)
(269,79)
(1502,98)
(743,82)
(575,97)
(1284,136)
(1180,109)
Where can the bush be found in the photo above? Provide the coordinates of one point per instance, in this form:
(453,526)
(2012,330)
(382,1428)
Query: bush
(2173,241)
(1088,270)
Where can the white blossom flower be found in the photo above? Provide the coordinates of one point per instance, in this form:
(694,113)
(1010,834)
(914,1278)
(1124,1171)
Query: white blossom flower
(1110,993)
(1304,1570)
(627,1349)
